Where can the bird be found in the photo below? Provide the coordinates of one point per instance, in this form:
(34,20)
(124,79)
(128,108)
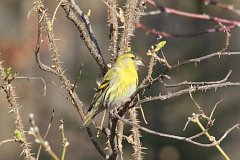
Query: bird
(118,84)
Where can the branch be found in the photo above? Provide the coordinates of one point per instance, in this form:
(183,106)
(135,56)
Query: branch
(133,8)
(6,141)
(190,89)
(113,28)
(120,130)
(130,15)
(199,83)
(39,9)
(136,144)
(112,138)
(186,139)
(190,15)
(153,31)
(212,139)
(56,68)
(142,86)
(96,143)
(15,110)
(222,5)
(86,33)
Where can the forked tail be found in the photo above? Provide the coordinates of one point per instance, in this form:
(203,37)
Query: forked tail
(90,115)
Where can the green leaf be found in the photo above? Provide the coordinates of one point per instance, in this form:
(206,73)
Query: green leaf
(18,135)
(160,45)
(89,13)
(9,73)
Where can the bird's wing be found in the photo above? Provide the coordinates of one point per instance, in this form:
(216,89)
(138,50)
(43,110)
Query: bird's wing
(106,81)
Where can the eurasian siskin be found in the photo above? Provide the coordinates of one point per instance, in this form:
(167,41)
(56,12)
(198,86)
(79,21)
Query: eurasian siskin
(118,84)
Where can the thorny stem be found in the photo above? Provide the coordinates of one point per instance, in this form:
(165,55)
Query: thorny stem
(56,69)
(15,110)
(120,129)
(136,135)
(186,139)
(113,28)
(190,89)
(131,14)
(144,86)
(112,139)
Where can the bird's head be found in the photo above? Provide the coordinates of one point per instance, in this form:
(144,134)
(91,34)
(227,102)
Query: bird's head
(129,58)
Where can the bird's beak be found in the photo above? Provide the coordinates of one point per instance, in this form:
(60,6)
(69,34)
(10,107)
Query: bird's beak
(139,63)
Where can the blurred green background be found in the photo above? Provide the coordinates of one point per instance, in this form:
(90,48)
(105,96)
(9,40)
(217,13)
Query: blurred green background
(17,42)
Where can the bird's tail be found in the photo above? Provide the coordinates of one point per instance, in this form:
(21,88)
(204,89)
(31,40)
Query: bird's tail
(90,115)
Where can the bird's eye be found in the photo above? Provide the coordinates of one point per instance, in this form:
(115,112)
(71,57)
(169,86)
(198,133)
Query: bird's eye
(132,58)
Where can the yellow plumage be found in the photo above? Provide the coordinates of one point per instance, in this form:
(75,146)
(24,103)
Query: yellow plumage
(118,84)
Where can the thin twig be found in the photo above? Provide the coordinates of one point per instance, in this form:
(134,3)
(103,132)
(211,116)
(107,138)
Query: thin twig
(151,64)
(65,142)
(190,89)
(196,104)
(186,139)
(142,112)
(199,83)
(201,113)
(62,93)
(156,32)
(55,12)
(101,125)
(214,108)
(142,86)
(45,136)
(6,141)
(35,78)
(78,77)
(212,139)
(34,131)
(198,135)
(222,5)
(191,15)
(96,143)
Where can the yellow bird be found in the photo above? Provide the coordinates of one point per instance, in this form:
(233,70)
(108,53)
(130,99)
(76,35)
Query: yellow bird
(118,84)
